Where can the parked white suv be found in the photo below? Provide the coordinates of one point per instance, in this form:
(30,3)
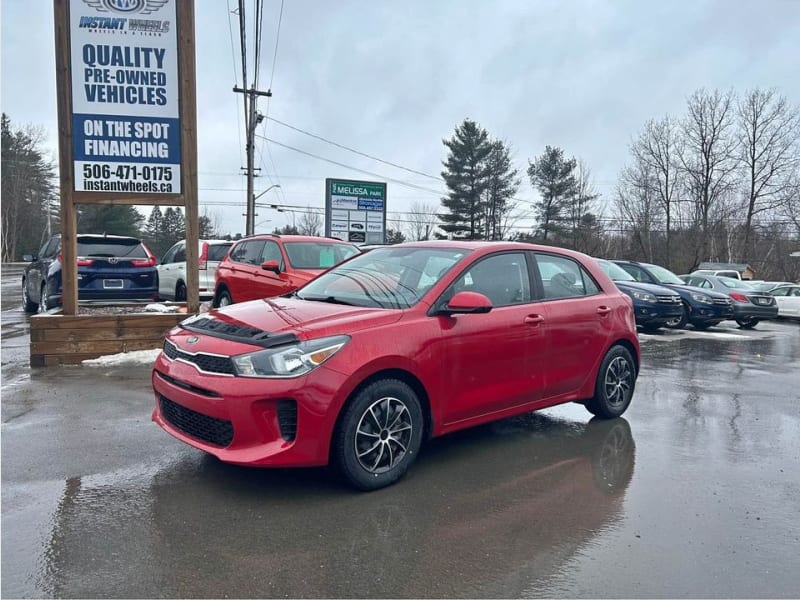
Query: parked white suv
(172,269)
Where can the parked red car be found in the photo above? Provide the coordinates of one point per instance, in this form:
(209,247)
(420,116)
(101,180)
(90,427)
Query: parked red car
(269,265)
(394,346)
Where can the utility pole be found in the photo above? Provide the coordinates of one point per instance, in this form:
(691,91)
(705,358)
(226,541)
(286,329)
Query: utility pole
(252,119)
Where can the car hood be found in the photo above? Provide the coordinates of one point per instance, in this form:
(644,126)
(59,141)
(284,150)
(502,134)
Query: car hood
(645,287)
(275,320)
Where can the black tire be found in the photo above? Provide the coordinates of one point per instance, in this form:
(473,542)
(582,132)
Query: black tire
(679,322)
(223,298)
(27,303)
(43,304)
(379,435)
(180,292)
(747,323)
(613,389)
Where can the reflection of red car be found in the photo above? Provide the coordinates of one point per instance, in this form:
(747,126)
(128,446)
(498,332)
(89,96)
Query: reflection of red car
(263,266)
(396,345)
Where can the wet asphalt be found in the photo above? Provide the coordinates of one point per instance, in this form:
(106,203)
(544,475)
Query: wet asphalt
(695,493)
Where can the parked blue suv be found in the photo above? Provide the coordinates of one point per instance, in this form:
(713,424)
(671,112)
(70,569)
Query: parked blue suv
(655,306)
(702,308)
(110,267)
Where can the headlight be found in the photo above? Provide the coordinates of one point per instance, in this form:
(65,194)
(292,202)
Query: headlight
(702,298)
(644,296)
(289,361)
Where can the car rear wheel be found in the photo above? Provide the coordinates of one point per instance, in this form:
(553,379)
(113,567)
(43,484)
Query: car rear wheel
(747,323)
(180,292)
(614,386)
(27,304)
(379,435)
(679,322)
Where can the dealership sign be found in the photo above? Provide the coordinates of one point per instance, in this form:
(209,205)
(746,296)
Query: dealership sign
(126,133)
(355,211)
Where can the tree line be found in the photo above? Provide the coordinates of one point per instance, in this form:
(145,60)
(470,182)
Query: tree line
(719,183)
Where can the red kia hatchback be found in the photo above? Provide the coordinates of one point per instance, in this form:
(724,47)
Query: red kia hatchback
(269,265)
(394,346)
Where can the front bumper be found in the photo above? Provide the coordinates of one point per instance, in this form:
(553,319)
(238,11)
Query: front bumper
(248,421)
(657,314)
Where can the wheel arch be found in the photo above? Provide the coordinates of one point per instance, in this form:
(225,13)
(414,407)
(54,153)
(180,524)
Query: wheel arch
(628,345)
(400,374)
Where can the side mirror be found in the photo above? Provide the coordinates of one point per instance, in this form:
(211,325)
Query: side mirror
(467,303)
(28,257)
(271,265)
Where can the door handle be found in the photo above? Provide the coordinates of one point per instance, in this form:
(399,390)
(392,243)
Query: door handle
(603,311)
(533,319)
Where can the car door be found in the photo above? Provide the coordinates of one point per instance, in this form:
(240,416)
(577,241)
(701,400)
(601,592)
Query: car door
(788,300)
(270,283)
(168,272)
(245,270)
(492,361)
(39,268)
(577,322)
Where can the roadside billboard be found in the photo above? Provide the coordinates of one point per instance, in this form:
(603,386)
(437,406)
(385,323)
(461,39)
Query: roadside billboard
(125,96)
(355,211)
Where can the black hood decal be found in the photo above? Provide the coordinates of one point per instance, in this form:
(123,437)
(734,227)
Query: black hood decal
(238,332)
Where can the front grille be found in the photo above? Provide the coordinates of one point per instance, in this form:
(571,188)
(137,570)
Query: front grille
(210,363)
(668,299)
(723,301)
(287,419)
(218,432)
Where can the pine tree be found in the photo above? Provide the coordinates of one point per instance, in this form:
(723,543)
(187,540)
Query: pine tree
(465,175)
(502,184)
(554,177)
(152,233)
(109,219)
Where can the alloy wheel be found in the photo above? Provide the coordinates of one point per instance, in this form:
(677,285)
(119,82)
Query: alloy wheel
(618,381)
(383,434)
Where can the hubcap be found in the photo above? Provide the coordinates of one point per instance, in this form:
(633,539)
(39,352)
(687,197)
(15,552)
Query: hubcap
(224,300)
(383,435)
(618,381)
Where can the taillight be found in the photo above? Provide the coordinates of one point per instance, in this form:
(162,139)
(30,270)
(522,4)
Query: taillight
(81,262)
(148,262)
(739,297)
(203,263)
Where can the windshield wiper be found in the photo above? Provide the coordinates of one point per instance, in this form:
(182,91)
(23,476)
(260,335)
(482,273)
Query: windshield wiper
(328,299)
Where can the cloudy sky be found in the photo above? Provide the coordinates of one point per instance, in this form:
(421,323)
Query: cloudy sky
(393,78)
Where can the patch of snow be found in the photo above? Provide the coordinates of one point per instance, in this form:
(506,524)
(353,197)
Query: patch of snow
(162,308)
(137,357)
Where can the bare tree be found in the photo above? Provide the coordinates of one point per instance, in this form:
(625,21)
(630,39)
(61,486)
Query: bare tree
(769,130)
(708,155)
(637,205)
(310,222)
(658,146)
(422,221)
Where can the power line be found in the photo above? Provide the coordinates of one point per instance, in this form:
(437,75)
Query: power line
(397,181)
(275,53)
(354,151)
(235,74)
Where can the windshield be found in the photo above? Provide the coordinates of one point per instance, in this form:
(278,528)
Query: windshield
(395,277)
(111,247)
(664,275)
(318,255)
(614,271)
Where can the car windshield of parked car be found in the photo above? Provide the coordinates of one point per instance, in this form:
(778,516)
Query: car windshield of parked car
(395,277)
(665,276)
(614,271)
(318,255)
(120,248)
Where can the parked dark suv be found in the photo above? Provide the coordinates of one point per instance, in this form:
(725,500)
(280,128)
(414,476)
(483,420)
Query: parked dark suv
(654,306)
(110,267)
(702,308)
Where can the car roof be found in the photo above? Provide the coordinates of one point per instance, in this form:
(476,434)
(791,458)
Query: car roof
(98,237)
(293,238)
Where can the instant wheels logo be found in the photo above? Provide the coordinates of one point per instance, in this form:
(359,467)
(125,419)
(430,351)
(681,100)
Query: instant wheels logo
(127,7)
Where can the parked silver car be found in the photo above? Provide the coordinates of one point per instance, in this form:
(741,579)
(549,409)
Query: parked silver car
(172,269)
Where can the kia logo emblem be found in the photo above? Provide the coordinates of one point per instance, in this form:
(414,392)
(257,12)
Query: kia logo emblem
(192,339)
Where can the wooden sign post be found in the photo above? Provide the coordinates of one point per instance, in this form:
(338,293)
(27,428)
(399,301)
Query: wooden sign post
(127,117)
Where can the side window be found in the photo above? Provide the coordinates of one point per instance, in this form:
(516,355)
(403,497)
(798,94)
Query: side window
(180,253)
(237,254)
(705,283)
(564,278)
(796,292)
(503,278)
(50,249)
(781,292)
(169,257)
(252,252)
(272,252)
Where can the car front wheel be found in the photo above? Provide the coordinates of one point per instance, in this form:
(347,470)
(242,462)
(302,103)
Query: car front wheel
(614,386)
(379,435)
(224,299)
(679,322)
